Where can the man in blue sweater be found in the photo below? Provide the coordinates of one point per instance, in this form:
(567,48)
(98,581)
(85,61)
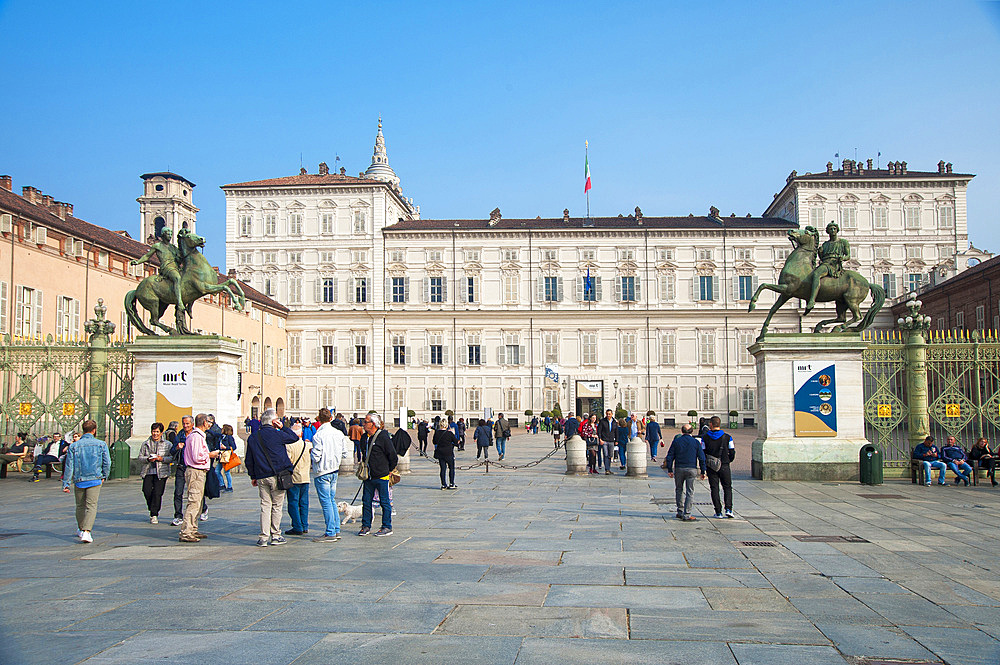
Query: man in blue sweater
(684,459)
(927,454)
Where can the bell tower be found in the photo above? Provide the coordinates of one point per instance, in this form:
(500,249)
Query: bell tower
(166,201)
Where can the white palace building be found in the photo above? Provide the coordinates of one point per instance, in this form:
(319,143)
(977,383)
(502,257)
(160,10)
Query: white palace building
(392,311)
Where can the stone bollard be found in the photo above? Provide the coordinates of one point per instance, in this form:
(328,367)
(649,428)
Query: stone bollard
(576,456)
(403,466)
(635,458)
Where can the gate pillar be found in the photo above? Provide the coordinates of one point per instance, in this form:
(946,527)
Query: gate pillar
(99,328)
(915,326)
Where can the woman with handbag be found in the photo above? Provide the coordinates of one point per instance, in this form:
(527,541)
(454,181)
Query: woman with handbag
(444,452)
(154,453)
(227,444)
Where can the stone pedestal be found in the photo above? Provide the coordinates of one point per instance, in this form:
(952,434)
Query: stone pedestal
(576,456)
(215,378)
(403,465)
(636,452)
(778,454)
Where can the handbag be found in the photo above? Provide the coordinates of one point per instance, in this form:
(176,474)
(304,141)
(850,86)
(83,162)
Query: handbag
(224,456)
(713,463)
(284,480)
(233,461)
(362,471)
(213,490)
(394,477)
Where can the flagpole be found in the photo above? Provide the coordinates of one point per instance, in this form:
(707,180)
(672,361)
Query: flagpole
(586,152)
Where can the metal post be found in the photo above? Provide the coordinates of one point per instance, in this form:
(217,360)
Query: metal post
(99,328)
(916,324)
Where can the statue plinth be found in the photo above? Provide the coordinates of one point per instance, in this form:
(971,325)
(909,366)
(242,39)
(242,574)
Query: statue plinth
(184,375)
(811,406)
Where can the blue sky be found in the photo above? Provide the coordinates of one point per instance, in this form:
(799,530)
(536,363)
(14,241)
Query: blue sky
(686,105)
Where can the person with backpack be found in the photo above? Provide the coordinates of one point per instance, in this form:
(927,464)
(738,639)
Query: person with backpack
(483,436)
(556,432)
(422,432)
(501,431)
(719,445)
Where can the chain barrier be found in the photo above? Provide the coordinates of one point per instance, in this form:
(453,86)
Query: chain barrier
(487,463)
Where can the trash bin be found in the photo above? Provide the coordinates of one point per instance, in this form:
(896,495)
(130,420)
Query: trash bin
(871,465)
(120,455)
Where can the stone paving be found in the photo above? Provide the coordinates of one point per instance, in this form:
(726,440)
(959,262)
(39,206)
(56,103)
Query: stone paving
(526,566)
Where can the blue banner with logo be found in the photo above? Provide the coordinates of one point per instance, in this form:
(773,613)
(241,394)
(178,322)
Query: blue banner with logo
(815,403)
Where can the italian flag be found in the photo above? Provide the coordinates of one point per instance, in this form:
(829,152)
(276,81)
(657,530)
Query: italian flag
(586,169)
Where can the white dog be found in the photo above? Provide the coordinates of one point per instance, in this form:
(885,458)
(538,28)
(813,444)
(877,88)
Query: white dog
(348,513)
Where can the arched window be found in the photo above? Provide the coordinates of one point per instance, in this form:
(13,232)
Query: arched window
(158,225)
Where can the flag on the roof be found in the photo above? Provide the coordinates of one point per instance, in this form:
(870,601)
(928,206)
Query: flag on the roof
(586,167)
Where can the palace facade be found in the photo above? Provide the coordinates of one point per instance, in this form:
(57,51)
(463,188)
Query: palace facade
(390,311)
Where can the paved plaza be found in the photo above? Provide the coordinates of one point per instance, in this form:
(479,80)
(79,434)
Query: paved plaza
(524,566)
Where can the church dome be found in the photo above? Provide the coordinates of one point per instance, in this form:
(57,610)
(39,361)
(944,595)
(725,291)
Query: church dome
(380,169)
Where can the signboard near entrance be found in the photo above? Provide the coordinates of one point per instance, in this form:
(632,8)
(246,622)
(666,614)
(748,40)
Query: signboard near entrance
(174,381)
(815,403)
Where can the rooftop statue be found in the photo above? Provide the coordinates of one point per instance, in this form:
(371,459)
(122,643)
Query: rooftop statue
(183,277)
(827,282)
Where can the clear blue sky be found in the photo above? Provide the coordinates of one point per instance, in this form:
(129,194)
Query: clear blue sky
(685,104)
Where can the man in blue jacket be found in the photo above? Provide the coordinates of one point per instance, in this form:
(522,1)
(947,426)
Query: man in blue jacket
(652,435)
(266,457)
(927,454)
(87,464)
(684,459)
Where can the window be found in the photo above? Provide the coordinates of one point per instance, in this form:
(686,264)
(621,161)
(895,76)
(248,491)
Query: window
(946,217)
(914,252)
(295,349)
(244,258)
(437,289)
(359,256)
(270,224)
(550,348)
(103,259)
(630,399)
(512,353)
(435,256)
(329,351)
(360,289)
(747,339)
(748,399)
(254,357)
(295,257)
(509,255)
(326,257)
(361,349)
(668,347)
(550,286)
(588,254)
(435,400)
(708,287)
(911,214)
(295,224)
(398,350)
(980,317)
(746,285)
(246,224)
(706,347)
(360,399)
(628,348)
(707,396)
(914,282)
(396,400)
(268,359)
(705,254)
(327,397)
(550,397)
(471,289)
(511,287)
(398,285)
(626,255)
(436,354)
(665,254)
(960,319)
(668,399)
(474,399)
(360,222)
(744,254)
(881,252)
(588,348)
(512,401)
(67,316)
(588,288)
(781,254)
(880,217)
(244,355)
(629,287)
(295,290)
(816,217)
(849,218)
(550,255)
(853,251)
(472,256)
(294,399)
(270,258)
(397,256)
(326,220)
(475,352)
(328,289)
(668,287)
(28,312)
(889,284)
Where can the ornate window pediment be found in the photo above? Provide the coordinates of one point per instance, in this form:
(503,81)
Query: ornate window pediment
(628,266)
(744,266)
(510,266)
(296,205)
(746,269)
(915,265)
(913,198)
(472,266)
(705,267)
(945,198)
(852,264)
(849,198)
(327,203)
(816,198)
(270,205)
(360,204)
(883,265)
(880,198)
(435,268)
(549,266)
(665,265)
(246,206)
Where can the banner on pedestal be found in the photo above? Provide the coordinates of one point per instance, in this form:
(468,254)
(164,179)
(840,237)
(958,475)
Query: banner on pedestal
(815,389)
(173,391)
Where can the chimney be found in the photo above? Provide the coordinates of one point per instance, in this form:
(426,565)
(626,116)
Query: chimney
(565,214)
(714,212)
(947,167)
(343,171)
(892,168)
(47,201)
(845,166)
(30,194)
(60,209)
(941,166)
(903,164)
(638,213)
(859,167)
(829,168)
(869,164)
(6,182)
(324,169)
(302,170)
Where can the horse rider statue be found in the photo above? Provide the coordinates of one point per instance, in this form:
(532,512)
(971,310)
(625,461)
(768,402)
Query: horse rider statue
(170,260)
(832,255)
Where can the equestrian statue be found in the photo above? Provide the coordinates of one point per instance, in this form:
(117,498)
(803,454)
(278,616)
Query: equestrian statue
(827,282)
(184,276)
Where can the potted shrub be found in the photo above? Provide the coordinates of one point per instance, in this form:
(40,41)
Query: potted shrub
(449,413)
(692,414)
(527,412)
(733,423)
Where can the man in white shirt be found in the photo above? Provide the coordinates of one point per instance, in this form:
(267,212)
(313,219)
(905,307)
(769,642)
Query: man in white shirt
(329,449)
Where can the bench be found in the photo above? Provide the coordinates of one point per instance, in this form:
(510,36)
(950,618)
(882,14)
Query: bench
(917,468)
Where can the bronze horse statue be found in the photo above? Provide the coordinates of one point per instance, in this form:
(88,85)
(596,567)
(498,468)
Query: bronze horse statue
(848,290)
(198,278)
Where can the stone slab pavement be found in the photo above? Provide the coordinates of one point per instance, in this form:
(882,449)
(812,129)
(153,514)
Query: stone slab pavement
(517,566)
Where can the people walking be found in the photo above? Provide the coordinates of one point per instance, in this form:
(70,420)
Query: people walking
(382,459)
(298,493)
(265,459)
(198,459)
(86,466)
(556,433)
(444,452)
(622,436)
(422,437)
(227,446)
(720,445)
(483,436)
(154,453)
(329,449)
(501,431)
(355,431)
(985,457)
(588,432)
(176,434)
(461,433)
(653,435)
(685,458)
(607,432)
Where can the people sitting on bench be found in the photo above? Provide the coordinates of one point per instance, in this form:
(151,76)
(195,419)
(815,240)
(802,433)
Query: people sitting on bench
(984,458)
(16,453)
(51,454)
(927,454)
(953,455)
